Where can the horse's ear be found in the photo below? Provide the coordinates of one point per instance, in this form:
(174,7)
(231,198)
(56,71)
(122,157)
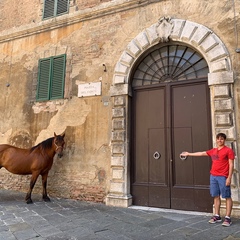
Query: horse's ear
(63,134)
(55,134)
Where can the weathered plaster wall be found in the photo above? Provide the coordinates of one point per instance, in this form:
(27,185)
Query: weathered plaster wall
(93,34)
(84,170)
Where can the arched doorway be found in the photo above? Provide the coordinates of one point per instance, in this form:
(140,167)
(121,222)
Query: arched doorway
(170,112)
(220,80)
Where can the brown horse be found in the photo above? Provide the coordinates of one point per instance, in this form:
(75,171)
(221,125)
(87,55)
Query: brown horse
(37,161)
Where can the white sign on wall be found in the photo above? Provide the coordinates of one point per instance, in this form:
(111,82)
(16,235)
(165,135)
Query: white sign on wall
(89,89)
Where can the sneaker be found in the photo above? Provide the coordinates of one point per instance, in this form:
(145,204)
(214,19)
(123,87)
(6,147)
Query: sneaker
(215,219)
(227,222)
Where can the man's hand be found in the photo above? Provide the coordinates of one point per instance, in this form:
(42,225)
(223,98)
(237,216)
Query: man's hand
(184,154)
(228,181)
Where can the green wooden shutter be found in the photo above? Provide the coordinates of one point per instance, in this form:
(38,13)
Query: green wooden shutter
(44,79)
(62,7)
(48,8)
(58,76)
(53,8)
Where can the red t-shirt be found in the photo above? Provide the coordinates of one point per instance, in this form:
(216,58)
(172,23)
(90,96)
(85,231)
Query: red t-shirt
(220,165)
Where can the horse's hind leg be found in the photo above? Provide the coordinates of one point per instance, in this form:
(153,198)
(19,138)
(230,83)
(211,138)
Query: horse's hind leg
(44,185)
(33,180)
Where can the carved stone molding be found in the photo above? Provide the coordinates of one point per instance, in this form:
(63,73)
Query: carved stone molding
(164,29)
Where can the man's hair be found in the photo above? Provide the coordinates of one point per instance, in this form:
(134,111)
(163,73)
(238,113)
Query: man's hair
(222,135)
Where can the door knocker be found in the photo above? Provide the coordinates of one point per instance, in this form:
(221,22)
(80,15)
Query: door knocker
(156,155)
(183,158)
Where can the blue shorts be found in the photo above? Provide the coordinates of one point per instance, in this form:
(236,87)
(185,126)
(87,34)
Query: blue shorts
(218,187)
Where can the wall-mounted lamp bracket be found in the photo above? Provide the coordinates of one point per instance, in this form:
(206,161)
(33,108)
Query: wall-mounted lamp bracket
(105,68)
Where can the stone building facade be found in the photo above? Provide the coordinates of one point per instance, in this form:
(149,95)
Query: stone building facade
(103,42)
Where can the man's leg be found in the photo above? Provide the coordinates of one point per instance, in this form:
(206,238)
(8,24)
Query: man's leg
(217,204)
(226,193)
(215,193)
(229,205)
(227,222)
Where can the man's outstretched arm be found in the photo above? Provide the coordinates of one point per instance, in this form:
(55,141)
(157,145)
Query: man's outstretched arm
(195,154)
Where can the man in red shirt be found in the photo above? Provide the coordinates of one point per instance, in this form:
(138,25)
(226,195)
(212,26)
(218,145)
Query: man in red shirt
(220,176)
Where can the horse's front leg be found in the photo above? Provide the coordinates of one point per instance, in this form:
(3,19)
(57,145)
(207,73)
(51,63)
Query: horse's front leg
(44,185)
(33,180)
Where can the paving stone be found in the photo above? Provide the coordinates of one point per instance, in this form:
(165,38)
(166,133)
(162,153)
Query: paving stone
(7,236)
(26,234)
(61,237)
(108,234)
(55,219)
(66,219)
(19,227)
(79,232)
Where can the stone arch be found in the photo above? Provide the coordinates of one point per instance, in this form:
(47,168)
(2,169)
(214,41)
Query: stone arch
(220,80)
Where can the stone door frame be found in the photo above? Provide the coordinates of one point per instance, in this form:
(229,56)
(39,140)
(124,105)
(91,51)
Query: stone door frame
(220,81)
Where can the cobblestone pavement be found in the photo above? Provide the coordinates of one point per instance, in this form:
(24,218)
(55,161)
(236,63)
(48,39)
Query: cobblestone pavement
(72,220)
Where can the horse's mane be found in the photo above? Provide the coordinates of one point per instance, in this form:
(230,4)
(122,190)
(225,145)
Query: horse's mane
(46,144)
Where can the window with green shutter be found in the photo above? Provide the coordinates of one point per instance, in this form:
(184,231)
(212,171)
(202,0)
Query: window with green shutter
(51,75)
(54,8)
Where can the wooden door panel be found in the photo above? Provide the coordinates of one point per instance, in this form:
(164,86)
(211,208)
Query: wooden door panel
(141,138)
(140,194)
(159,192)
(159,196)
(169,129)
(191,133)
(182,174)
(157,167)
(150,181)
(182,198)
(203,202)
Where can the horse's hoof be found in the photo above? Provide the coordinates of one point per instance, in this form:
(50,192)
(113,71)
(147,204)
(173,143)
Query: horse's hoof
(29,201)
(46,199)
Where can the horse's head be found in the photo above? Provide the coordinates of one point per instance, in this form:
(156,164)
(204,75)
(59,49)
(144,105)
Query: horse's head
(59,143)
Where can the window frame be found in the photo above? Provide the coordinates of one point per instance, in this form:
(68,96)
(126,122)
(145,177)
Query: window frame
(48,78)
(56,5)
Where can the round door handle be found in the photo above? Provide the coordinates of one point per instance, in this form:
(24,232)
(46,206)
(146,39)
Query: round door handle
(156,155)
(183,158)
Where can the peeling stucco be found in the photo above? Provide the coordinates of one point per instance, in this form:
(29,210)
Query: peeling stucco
(4,136)
(72,113)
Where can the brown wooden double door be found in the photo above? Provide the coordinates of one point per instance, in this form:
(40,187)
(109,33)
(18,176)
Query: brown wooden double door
(167,120)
